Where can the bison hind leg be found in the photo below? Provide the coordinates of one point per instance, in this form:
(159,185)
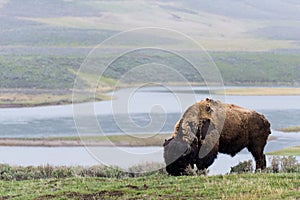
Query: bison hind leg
(261,162)
(259,156)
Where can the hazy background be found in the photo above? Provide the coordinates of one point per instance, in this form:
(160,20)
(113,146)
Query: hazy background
(43,42)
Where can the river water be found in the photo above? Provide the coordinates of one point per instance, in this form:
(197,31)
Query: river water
(151,110)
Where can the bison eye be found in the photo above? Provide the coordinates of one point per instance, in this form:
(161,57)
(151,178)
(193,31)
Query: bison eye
(208,109)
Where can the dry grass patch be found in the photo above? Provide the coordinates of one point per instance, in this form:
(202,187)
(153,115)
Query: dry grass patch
(261,91)
(35,97)
(292,151)
(290,129)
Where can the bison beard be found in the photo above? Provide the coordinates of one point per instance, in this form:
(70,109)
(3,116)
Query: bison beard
(197,139)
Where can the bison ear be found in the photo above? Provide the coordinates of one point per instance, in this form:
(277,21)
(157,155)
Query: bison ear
(208,99)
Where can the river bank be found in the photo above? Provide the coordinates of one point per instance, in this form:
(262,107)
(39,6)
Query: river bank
(141,140)
(16,98)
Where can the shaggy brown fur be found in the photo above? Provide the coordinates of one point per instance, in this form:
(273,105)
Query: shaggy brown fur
(209,127)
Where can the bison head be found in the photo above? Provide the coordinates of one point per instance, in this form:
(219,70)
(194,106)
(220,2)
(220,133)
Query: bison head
(196,136)
(179,156)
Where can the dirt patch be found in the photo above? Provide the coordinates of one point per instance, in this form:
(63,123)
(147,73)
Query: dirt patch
(132,187)
(98,195)
(5,197)
(48,196)
(75,195)
(162,187)
(144,187)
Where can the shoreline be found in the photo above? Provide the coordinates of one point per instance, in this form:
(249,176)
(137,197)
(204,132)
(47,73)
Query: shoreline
(145,140)
(141,140)
(290,129)
(261,91)
(65,143)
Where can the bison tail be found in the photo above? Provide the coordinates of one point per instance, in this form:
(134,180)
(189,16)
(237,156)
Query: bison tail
(266,123)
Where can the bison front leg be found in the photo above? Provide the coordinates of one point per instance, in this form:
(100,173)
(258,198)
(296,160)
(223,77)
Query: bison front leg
(208,160)
(208,150)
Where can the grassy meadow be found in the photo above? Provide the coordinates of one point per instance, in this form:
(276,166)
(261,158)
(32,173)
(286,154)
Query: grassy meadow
(150,180)
(244,186)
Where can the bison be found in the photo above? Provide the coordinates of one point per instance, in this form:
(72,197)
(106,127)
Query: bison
(209,127)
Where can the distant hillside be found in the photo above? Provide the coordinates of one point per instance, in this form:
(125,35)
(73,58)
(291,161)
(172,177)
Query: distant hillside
(44,42)
(273,10)
(219,25)
(58,72)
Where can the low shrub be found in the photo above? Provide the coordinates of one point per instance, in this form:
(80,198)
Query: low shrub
(43,172)
(242,167)
(284,164)
(279,164)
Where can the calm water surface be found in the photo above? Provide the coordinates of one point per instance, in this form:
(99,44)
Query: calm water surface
(148,107)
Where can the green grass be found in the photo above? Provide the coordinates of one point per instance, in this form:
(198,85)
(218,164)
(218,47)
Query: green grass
(245,186)
(45,80)
(258,68)
(40,72)
(292,151)
(148,180)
